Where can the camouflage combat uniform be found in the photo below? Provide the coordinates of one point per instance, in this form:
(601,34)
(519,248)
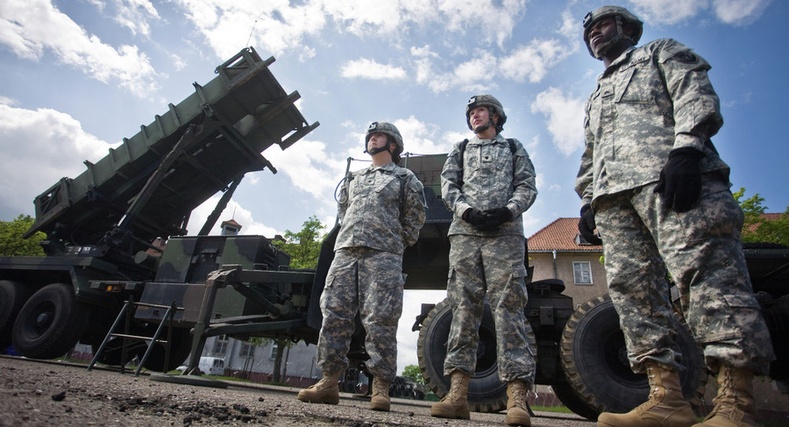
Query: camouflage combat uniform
(648,101)
(381,211)
(488,175)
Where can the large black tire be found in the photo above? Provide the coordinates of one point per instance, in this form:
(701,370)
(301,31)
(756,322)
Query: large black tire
(12,297)
(50,323)
(595,364)
(486,393)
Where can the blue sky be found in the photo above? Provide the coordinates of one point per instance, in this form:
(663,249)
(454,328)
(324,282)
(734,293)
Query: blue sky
(77,76)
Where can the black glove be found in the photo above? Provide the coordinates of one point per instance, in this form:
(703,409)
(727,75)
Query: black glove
(475,217)
(680,180)
(586,226)
(497,216)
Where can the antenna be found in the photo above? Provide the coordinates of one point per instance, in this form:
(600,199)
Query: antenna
(250,33)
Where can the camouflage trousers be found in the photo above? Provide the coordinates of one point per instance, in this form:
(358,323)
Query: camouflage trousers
(702,252)
(489,268)
(368,282)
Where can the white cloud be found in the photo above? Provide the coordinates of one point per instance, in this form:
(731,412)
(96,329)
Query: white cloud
(31,27)
(475,75)
(739,12)
(243,216)
(134,15)
(275,27)
(565,119)
(365,17)
(420,137)
(370,69)
(38,148)
(668,12)
(532,62)
(317,170)
(494,19)
(281,26)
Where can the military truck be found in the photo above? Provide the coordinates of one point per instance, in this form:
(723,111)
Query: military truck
(103,227)
(108,280)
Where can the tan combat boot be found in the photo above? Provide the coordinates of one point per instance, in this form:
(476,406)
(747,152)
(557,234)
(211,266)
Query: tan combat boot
(455,403)
(734,402)
(380,399)
(665,406)
(327,390)
(517,414)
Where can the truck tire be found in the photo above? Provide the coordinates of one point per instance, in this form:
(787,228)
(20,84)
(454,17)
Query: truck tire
(595,364)
(12,297)
(486,393)
(50,323)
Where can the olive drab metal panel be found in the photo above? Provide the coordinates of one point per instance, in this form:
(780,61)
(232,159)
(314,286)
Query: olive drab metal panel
(225,125)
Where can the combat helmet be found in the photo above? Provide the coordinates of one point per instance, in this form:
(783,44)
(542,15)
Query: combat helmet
(493,105)
(389,130)
(622,17)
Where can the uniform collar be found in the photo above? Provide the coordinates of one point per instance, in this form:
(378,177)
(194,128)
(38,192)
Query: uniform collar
(496,138)
(389,167)
(618,61)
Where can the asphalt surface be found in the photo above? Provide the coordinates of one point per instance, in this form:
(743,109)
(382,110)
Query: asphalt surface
(33,393)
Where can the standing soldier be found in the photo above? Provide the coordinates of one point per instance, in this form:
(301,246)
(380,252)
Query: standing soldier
(487,182)
(381,210)
(653,186)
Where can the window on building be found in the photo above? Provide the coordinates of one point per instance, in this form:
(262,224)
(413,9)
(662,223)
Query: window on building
(220,345)
(582,272)
(247,350)
(273,354)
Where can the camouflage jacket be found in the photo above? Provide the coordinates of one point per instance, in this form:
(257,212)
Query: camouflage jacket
(488,175)
(382,208)
(649,101)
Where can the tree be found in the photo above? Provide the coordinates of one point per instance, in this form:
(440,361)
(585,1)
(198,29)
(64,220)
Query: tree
(756,227)
(413,373)
(303,246)
(13,244)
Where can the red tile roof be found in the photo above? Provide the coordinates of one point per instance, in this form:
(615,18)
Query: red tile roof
(560,235)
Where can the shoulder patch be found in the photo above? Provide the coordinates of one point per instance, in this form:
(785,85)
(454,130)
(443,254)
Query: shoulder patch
(686,57)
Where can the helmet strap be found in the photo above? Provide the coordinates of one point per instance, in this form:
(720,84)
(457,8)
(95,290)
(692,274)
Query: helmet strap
(376,150)
(482,128)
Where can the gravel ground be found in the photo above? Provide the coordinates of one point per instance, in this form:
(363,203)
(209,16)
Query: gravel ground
(56,394)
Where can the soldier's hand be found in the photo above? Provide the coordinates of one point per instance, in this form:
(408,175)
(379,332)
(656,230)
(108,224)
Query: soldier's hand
(475,217)
(680,180)
(587,226)
(497,216)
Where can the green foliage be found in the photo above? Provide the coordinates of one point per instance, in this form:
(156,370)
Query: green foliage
(755,227)
(413,373)
(11,241)
(303,246)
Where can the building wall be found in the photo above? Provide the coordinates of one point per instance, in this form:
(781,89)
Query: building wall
(562,268)
(298,361)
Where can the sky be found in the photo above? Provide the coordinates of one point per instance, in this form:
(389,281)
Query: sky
(77,76)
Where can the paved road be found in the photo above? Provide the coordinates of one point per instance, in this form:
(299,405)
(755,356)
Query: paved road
(39,394)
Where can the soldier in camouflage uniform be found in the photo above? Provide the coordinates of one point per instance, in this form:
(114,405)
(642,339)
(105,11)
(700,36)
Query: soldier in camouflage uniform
(488,182)
(381,210)
(655,189)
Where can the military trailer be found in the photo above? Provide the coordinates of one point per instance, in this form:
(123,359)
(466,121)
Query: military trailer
(107,281)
